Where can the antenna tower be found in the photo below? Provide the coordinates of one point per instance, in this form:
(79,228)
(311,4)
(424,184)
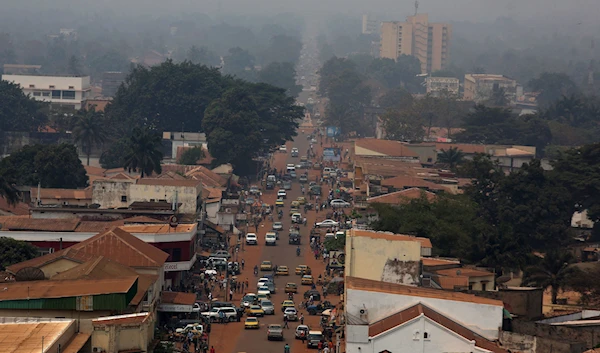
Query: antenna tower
(416,7)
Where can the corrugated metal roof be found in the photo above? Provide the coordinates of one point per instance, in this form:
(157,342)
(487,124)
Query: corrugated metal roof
(178,298)
(115,244)
(386,147)
(27,337)
(76,343)
(65,288)
(403,196)
(127,319)
(44,225)
(62,194)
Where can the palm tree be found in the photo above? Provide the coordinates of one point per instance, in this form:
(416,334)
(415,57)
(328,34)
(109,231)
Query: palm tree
(452,156)
(8,191)
(90,130)
(553,271)
(144,152)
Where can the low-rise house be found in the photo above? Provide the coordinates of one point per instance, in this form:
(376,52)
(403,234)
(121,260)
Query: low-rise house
(465,278)
(384,316)
(123,333)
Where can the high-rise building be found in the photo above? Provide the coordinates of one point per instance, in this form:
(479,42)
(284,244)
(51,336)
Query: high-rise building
(429,42)
(370,25)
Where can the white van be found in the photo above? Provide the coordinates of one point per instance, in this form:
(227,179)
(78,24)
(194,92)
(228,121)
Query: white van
(271,238)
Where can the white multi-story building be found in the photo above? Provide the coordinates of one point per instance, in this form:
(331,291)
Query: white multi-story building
(437,86)
(67,91)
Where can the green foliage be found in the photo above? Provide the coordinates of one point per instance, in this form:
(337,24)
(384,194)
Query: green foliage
(143,152)
(452,157)
(552,86)
(14,251)
(239,62)
(335,243)
(203,56)
(89,130)
(553,271)
(8,191)
(403,125)
(168,96)
(397,73)
(191,156)
(114,156)
(54,166)
(233,127)
(19,112)
(283,48)
(282,75)
(397,98)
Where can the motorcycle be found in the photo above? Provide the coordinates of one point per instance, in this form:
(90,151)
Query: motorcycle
(298,251)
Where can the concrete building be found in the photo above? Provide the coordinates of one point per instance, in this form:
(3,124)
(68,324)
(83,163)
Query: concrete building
(480,87)
(64,91)
(429,42)
(370,25)
(391,317)
(185,195)
(123,333)
(384,256)
(184,139)
(438,86)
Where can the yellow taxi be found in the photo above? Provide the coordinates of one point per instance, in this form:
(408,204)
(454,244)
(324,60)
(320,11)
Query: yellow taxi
(301,200)
(294,210)
(295,204)
(279,203)
(266,266)
(282,271)
(255,310)
(262,296)
(251,323)
(307,279)
(303,270)
(291,288)
(287,304)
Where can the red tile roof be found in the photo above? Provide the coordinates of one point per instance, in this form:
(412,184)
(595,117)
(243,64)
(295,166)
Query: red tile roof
(20,209)
(75,345)
(393,288)
(385,147)
(169,182)
(91,170)
(178,298)
(425,242)
(65,288)
(62,194)
(402,196)
(433,261)
(115,244)
(206,176)
(38,224)
(415,311)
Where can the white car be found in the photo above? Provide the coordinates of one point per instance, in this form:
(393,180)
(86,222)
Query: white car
(281,194)
(251,239)
(210,272)
(339,203)
(327,223)
(277,226)
(291,313)
(264,290)
(271,238)
(191,327)
(282,148)
(262,282)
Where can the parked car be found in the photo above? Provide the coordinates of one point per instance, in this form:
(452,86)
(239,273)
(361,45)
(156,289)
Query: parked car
(282,148)
(213,314)
(327,223)
(254,190)
(220,253)
(339,203)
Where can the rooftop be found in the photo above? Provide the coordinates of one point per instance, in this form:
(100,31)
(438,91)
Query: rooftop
(169,182)
(403,182)
(418,310)
(65,288)
(75,345)
(62,194)
(379,147)
(393,288)
(115,244)
(425,242)
(464,272)
(129,319)
(464,147)
(178,298)
(26,337)
(436,261)
(402,196)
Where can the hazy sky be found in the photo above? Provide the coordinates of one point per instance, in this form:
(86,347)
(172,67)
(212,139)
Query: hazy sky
(456,10)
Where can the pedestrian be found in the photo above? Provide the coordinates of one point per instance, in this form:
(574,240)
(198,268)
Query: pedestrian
(320,346)
(231,295)
(212,349)
(285,321)
(243,263)
(326,349)
(286,348)
(301,319)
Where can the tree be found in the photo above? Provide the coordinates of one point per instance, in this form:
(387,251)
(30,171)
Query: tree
(114,156)
(283,48)
(401,125)
(452,157)
(233,128)
(202,56)
(8,191)
(282,75)
(191,156)
(552,86)
(552,272)
(53,166)
(14,251)
(90,130)
(331,69)
(397,98)
(238,62)
(169,96)
(143,152)
(19,112)
(397,73)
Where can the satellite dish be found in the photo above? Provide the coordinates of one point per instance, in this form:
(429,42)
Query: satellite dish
(341,258)
(173,221)
(29,274)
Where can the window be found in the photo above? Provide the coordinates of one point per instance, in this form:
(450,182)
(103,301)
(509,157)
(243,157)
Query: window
(483,286)
(37,94)
(31,86)
(416,336)
(176,254)
(68,94)
(471,286)
(45,94)
(426,335)
(51,86)
(55,94)
(71,87)
(124,198)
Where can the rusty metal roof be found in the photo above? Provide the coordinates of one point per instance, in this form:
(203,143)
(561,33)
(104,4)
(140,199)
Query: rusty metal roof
(62,194)
(178,298)
(385,147)
(115,244)
(425,242)
(75,345)
(65,288)
(44,225)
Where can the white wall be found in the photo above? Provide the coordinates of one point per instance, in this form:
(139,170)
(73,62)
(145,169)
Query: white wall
(484,319)
(42,84)
(211,211)
(409,338)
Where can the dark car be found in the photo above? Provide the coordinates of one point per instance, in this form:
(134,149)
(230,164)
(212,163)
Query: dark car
(294,239)
(316,295)
(270,185)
